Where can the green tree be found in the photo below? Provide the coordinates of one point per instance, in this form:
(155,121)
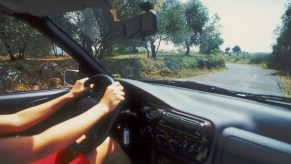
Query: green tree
(6,34)
(196,16)
(171,25)
(281,55)
(19,38)
(211,39)
(236,49)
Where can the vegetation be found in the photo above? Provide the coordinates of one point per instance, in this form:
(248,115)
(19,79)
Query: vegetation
(18,39)
(281,56)
(164,67)
(285,80)
(280,60)
(184,24)
(247,58)
(34,73)
(210,39)
(24,51)
(236,49)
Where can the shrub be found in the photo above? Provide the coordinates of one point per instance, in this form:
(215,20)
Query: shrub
(165,67)
(259,59)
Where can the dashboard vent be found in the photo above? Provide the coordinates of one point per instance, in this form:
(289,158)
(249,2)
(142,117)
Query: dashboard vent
(173,117)
(188,122)
(189,125)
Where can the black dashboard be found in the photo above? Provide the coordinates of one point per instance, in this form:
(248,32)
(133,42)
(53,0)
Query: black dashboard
(168,124)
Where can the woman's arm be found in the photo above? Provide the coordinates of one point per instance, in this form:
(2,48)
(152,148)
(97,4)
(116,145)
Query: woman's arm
(31,116)
(26,149)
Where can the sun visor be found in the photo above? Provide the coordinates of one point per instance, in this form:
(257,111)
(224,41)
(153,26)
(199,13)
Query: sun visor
(42,8)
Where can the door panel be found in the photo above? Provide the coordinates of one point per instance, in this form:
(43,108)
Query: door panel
(14,102)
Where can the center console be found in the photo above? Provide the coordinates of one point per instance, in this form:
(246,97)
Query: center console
(187,136)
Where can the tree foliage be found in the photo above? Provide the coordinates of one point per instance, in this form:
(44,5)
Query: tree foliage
(98,30)
(196,16)
(211,39)
(236,49)
(18,39)
(281,55)
(171,25)
(226,51)
(183,24)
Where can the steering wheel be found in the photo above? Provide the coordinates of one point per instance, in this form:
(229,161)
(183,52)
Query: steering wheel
(99,132)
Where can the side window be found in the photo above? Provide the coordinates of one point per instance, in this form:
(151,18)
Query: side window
(28,60)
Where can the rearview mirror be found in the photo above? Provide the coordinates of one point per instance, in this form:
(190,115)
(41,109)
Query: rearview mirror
(71,76)
(141,25)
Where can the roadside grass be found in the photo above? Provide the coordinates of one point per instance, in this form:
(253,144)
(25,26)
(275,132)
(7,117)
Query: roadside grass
(165,67)
(285,80)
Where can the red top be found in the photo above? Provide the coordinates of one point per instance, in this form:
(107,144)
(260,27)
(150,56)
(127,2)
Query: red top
(56,159)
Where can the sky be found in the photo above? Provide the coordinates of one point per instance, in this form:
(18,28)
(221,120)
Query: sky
(248,23)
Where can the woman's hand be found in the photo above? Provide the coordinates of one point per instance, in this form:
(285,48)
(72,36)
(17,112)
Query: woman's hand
(113,95)
(79,88)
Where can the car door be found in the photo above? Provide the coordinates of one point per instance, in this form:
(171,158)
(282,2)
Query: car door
(31,68)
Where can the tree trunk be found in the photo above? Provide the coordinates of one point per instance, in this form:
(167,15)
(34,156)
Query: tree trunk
(158,45)
(147,48)
(21,51)
(153,49)
(187,53)
(6,45)
(101,53)
(8,48)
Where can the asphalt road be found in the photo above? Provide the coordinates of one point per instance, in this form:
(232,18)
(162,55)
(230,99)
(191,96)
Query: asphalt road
(244,78)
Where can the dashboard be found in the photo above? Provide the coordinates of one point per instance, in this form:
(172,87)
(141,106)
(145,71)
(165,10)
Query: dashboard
(161,124)
(188,136)
(168,124)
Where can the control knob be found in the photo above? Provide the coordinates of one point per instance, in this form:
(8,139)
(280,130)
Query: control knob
(152,113)
(147,130)
(160,137)
(174,143)
(191,149)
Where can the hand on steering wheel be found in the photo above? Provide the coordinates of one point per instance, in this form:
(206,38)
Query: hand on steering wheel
(113,94)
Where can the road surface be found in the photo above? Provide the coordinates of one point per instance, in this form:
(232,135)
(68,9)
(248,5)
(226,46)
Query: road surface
(244,78)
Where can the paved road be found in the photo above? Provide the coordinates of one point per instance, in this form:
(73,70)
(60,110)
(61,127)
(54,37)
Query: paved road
(243,77)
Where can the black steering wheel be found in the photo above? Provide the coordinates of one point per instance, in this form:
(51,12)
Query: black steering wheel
(96,135)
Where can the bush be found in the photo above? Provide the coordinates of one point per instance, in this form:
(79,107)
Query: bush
(259,59)
(165,67)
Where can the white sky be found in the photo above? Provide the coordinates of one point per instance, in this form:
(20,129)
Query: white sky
(248,23)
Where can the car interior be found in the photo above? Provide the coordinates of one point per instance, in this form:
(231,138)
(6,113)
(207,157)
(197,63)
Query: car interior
(159,123)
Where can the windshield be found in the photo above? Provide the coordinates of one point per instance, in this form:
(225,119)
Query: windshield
(236,45)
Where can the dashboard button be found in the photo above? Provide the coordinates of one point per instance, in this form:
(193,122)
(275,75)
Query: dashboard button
(160,137)
(174,143)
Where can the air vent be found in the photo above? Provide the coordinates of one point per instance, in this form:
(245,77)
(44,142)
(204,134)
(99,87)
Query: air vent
(173,117)
(188,122)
